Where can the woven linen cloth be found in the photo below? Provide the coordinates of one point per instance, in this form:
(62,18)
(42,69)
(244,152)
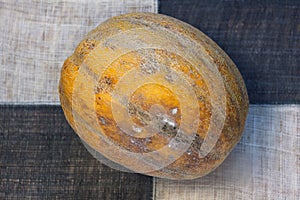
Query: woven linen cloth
(264,165)
(37,36)
(262,37)
(42,158)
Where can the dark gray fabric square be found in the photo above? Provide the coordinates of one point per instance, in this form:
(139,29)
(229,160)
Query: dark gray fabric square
(42,158)
(262,38)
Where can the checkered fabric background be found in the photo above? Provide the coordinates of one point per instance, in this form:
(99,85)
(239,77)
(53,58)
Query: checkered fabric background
(42,158)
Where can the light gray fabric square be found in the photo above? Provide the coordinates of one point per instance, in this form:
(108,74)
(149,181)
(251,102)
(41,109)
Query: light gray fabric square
(37,36)
(264,165)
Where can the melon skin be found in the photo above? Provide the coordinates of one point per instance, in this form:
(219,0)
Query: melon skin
(162,45)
